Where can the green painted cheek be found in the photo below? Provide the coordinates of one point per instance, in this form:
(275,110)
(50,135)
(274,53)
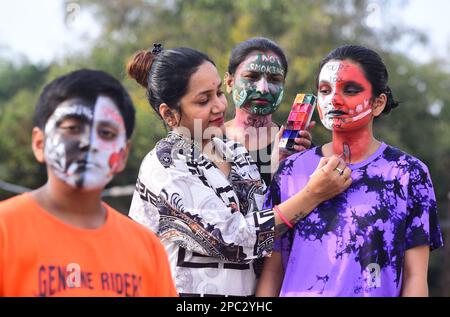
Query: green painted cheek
(280,98)
(239,97)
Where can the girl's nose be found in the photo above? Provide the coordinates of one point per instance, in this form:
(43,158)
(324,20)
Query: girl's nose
(337,99)
(262,86)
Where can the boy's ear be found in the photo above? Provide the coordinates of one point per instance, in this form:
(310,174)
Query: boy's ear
(37,144)
(379,104)
(229,81)
(123,161)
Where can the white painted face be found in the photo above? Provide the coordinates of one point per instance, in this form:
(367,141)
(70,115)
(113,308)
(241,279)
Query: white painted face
(345,96)
(85,144)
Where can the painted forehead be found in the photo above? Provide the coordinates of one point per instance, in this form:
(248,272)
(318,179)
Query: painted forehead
(107,111)
(335,71)
(261,62)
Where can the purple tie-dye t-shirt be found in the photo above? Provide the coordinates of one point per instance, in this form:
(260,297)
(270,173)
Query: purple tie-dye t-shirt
(354,244)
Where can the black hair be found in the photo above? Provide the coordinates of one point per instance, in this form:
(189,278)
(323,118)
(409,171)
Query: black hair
(241,51)
(373,67)
(88,85)
(165,74)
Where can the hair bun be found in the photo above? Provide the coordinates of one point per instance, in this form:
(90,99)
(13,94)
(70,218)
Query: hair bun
(391,103)
(139,66)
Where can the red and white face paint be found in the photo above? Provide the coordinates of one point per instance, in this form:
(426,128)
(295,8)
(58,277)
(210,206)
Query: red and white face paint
(85,144)
(345,96)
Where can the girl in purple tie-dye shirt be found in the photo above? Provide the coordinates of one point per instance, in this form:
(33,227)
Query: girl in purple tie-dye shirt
(374,238)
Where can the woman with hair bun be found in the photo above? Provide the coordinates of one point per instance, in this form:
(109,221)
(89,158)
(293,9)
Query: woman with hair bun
(201,193)
(374,238)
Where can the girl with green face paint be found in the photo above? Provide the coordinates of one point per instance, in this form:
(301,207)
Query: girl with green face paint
(258,87)
(255,80)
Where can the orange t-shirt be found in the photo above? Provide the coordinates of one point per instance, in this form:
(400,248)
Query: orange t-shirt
(42,256)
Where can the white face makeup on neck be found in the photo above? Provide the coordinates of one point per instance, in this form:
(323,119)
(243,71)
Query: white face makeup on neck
(85,144)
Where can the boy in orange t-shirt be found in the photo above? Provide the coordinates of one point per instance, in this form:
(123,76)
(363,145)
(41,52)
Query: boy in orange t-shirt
(61,239)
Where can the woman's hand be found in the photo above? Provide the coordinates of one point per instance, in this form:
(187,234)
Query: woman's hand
(280,155)
(302,142)
(330,178)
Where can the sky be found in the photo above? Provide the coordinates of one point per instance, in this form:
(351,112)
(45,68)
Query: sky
(47,29)
(44,30)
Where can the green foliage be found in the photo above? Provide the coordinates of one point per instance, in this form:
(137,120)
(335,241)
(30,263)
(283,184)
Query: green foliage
(17,163)
(14,77)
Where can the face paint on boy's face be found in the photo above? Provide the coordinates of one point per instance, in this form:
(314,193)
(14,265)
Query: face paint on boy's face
(344,96)
(258,86)
(85,144)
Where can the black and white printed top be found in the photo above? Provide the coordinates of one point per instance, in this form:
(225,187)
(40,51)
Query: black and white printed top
(212,226)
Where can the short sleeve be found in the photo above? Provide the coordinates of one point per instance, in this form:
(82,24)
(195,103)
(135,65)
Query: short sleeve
(422,224)
(142,208)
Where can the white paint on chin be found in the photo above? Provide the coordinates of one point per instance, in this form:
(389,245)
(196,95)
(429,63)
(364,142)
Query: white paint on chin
(96,178)
(327,122)
(93,177)
(325,108)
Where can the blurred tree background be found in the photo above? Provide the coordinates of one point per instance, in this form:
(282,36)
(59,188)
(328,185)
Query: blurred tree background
(306,29)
